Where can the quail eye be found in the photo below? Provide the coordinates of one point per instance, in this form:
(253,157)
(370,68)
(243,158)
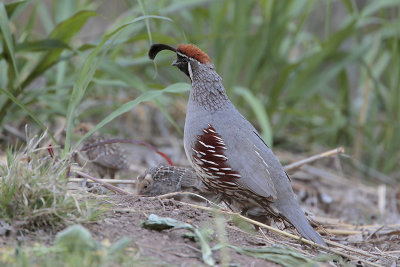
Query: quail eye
(183,59)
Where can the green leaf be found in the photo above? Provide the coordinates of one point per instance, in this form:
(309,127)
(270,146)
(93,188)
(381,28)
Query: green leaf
(42,45)
(206,251)
(45,16)
(259,111)
(242,224)
(350,5)
(118,72)
(375,6)
(281,255)
(63,32)
(85,76)
(118,247)
(9,43)
(155,222)
(75,238)
(147,96)
(181,5)
(15,7)
(30,113)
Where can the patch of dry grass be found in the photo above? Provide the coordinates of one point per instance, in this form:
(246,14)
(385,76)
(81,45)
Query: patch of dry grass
(33,189)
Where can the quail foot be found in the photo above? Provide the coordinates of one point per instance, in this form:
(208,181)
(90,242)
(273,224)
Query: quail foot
(106,159)
(226,150)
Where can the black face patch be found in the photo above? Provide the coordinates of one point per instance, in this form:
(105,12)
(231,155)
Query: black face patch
(182,63)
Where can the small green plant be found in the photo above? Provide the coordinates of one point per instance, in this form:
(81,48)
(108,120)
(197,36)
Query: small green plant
(73,246)
(155,222)
(33,189)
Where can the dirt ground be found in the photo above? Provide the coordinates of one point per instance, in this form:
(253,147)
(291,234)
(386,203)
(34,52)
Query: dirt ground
(158,248)
(170,247)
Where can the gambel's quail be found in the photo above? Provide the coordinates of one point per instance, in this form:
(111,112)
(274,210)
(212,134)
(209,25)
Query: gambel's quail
(163,179)
(105,158)
(226,151)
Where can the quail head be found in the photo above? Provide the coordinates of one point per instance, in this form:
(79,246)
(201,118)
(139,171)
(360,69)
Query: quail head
(106,159)
(225,149)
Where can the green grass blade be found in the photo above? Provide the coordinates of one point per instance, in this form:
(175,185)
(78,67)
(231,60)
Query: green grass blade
(180,5)
(63,32)
(9,44)
(45,16)
(84,77)
(281,255)
(87,72)
(376,6)
(147,96)
(15,8)
(168,116)
(118,72)
(42,45)
(146,21)
(259,111)
(206,252)
(30,113)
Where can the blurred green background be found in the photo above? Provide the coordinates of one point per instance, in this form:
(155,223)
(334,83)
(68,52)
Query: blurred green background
(310,74)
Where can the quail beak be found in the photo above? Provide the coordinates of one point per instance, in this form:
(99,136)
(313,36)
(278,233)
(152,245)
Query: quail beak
(175,63)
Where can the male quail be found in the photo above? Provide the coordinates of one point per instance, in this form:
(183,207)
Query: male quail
(106,158)
(226,151)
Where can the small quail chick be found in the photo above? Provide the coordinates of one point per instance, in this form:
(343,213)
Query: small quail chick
(106,159)
(162,180)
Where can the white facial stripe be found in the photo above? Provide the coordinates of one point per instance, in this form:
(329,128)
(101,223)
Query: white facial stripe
(182,55)
(190,58)
(190,71)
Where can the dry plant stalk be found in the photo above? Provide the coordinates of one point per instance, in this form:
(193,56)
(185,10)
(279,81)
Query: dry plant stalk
(298,164)
(107,181)
(106,185)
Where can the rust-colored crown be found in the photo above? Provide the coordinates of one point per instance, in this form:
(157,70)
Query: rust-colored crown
(194,52)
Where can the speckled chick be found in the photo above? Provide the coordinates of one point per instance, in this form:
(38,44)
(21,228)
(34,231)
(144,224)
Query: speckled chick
(163,179)
(106,159)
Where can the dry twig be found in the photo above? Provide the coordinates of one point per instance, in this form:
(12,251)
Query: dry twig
(108,181)
(106,185)
(298,164)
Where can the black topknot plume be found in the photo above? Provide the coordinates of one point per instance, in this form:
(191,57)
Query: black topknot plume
(155,48)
